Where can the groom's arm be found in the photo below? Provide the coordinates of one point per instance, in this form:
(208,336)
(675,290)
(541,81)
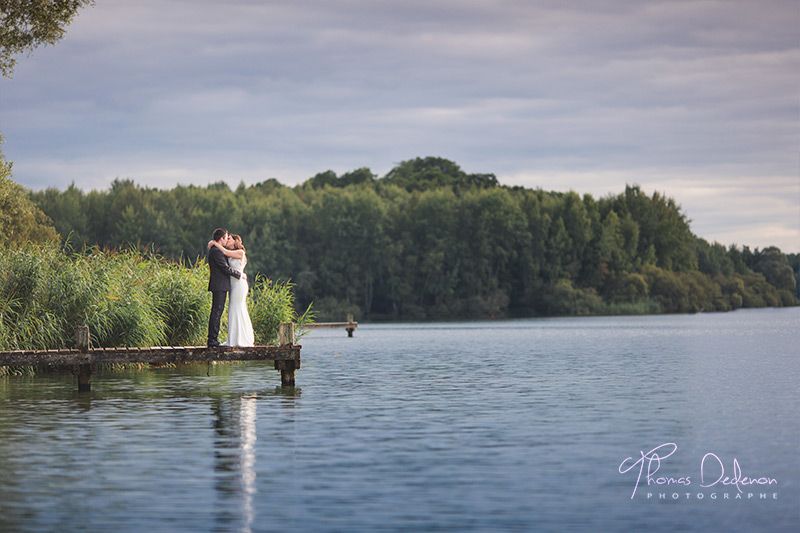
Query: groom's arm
(218,258)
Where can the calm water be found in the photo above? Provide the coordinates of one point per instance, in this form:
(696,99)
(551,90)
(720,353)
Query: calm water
(492,426)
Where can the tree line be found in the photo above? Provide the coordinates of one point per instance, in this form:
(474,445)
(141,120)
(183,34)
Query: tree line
(428,240)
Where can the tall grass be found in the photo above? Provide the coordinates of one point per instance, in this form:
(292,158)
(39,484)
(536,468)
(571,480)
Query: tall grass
(265,302)
(127,298)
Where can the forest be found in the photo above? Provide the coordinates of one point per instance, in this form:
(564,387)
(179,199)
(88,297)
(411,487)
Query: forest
(429,241)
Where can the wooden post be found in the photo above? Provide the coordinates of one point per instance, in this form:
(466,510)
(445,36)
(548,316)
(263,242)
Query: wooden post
(84,371)
(351,327)
(286,334)
(82,338)
(287,368)
(85,378)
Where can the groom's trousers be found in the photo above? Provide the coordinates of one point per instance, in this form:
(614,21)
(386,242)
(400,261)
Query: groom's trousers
(217,307)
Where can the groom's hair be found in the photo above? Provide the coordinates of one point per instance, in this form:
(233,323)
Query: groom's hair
(219,233)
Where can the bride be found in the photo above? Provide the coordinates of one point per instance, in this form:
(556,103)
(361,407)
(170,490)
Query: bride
(240,328)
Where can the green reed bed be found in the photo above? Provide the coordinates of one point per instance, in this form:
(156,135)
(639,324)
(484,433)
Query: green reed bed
(127,298)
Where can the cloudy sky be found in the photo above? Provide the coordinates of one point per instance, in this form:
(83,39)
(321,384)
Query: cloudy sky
(695,99)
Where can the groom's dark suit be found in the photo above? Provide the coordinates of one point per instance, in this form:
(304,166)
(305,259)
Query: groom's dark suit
(219,283)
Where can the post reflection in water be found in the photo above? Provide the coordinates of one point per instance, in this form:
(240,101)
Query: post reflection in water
(247,460)
(235,458)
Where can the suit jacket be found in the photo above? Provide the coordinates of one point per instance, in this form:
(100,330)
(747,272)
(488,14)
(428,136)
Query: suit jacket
(220,271)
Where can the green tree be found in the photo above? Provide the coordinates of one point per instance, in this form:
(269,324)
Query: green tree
(67,210)
(528,270)
(491,230)
(347,243)
(713,259)
(775,267)
(434,172)
(627,288)
(794,263)
(432,256)
(329,178)
(27,24)
(275,232)
(610,246)
(669,289)
(577,223)
(321,179)
(20,219)
(777,271)
(662,226)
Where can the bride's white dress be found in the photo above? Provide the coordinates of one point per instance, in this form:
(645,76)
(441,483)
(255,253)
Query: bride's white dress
(240,328)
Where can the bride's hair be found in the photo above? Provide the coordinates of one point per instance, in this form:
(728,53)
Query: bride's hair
(237,243)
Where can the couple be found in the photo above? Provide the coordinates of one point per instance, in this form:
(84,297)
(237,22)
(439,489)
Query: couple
(226,262)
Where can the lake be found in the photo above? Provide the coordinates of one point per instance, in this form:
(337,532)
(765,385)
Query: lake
(663,423)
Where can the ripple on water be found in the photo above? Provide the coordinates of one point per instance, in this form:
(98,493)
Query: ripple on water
(512,425)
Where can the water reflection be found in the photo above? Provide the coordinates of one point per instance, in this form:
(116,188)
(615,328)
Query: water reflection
(234,460)
(236,436)
(519,431)
(247,428)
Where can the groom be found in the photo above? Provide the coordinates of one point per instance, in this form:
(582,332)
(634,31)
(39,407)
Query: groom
(219,283)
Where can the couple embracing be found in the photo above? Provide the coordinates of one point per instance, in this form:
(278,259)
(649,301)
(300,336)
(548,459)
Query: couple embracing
(226,262)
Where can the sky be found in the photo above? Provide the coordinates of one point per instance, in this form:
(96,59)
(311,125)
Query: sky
(698,100)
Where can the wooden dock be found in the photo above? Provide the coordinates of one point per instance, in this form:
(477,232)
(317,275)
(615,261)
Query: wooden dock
(350,325)
(83,360)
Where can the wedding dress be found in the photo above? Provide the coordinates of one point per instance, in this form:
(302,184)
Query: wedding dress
(240,328)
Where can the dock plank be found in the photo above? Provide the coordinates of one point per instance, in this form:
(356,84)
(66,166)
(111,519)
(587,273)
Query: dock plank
(118,355)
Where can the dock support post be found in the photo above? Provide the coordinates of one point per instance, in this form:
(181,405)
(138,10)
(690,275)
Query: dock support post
(85,378)
(84,371)
(287,368)
(351,324)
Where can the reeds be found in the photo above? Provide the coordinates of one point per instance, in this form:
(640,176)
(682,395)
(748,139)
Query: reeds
(127,298)
(266,303)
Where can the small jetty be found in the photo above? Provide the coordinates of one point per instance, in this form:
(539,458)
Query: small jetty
(83,360)
(350,325)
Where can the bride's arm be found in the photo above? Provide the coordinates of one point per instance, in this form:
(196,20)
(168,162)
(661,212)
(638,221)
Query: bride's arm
(237,254)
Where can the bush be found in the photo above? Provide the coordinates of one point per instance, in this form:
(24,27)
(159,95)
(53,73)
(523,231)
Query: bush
(627,288)
(562,298)
(668,289)
(641,307)
(703,293)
